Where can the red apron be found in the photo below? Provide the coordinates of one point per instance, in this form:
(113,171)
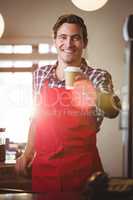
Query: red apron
(66,152)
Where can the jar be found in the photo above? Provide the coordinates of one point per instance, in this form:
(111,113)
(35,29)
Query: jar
(2,145)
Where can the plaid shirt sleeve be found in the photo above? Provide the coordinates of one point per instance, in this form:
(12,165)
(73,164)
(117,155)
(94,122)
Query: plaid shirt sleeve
(102,80)
(39,76)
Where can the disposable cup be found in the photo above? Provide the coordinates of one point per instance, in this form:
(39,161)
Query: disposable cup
(70,73)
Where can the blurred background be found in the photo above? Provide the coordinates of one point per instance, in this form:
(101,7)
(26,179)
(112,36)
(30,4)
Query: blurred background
(27,43)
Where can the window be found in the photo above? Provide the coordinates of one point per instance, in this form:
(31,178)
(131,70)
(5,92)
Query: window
(46,48)
(26,49)
(19,63)
(16,104)
(16,85)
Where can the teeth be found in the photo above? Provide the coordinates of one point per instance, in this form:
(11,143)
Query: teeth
(68,51)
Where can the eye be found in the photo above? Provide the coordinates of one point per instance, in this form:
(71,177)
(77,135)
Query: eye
(62,37)
(76,38)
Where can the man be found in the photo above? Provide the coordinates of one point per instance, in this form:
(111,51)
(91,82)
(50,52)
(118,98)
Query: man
(62,138)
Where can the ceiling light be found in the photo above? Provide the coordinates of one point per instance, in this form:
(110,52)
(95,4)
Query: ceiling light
(2,25)
(89,5)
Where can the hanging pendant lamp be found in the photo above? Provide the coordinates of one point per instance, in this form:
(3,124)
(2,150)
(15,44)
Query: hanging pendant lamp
(89,5)
(2,25)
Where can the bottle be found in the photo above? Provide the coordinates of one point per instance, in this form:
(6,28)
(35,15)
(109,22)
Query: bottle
(2,145)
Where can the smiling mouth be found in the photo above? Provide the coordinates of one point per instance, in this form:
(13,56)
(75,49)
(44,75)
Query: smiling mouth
(68,52)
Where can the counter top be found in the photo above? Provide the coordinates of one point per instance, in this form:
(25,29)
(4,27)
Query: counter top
(23,196)
(10,179)
(10,182)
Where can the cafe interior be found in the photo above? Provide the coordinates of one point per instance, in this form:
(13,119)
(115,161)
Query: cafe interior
(26,44)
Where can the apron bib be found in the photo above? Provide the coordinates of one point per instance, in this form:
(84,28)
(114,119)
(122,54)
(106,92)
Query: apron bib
(65,144)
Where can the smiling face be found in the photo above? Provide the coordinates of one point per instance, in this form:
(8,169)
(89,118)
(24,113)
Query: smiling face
(69,44)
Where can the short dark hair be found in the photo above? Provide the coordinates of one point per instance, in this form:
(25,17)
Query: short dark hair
(72,19)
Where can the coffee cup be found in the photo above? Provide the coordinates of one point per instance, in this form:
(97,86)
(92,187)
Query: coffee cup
(70,73)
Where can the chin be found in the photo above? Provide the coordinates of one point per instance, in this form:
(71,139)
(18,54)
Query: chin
(69,60)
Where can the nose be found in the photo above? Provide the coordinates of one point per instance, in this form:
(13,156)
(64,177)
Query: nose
(69,42)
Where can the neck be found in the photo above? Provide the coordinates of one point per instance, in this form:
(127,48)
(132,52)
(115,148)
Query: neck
(60,72)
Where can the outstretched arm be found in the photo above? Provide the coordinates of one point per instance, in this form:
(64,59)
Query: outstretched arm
(99,88)
(109,103)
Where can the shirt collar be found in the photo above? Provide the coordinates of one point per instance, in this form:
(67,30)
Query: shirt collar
(83,64)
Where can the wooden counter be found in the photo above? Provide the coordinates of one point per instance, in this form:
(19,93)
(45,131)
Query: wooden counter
(10,179)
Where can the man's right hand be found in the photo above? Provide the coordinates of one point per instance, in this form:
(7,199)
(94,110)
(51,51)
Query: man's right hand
(22,164)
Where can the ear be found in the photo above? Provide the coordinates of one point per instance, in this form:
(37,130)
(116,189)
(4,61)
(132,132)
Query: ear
(85,44)
(54,41)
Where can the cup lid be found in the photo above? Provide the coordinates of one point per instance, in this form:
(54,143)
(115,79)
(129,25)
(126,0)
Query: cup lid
(72,69)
